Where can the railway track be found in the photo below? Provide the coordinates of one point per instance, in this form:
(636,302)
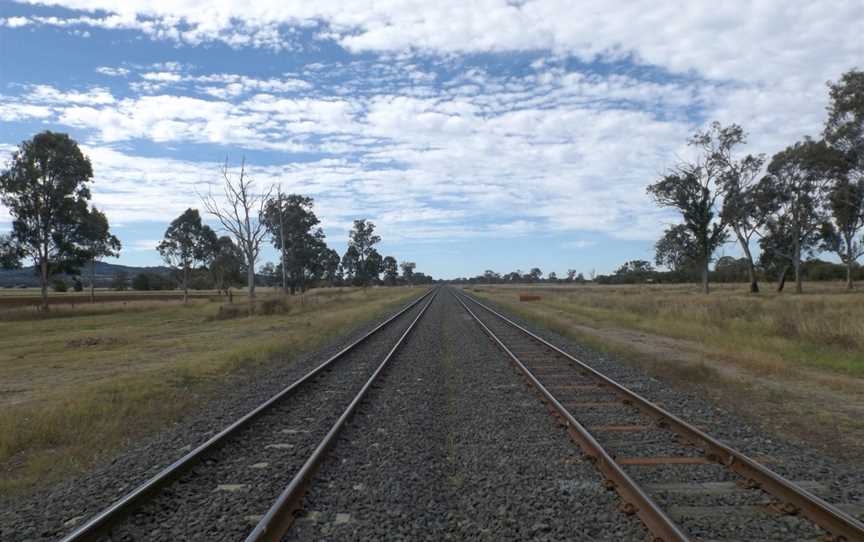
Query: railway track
(615,427)
(247,480)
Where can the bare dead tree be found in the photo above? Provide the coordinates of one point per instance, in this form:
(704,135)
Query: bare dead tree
(240,215)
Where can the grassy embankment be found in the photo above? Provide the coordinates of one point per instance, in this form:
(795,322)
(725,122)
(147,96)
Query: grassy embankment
(794,363)
(84,381)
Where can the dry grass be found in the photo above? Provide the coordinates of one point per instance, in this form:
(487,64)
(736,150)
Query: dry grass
(794,362)
(822,329)
(76,387)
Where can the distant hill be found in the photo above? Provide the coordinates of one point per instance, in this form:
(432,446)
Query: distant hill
(26,276)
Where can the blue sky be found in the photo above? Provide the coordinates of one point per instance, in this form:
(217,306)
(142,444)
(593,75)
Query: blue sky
(476,135)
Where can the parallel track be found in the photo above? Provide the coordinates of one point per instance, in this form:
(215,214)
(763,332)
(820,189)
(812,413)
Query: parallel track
(544,365)
(276,522)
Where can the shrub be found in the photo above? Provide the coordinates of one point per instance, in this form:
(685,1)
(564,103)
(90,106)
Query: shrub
(141,281)
(59,285)
(120,281)
(151,281)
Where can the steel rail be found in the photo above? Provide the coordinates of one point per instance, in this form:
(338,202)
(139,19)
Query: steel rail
(280,516)
(102,521)
(634,498)
(841,526)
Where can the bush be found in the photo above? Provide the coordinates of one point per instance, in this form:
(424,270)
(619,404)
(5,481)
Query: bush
(151,281)
(120,281)
(59,285)
(141,281)
(77,285)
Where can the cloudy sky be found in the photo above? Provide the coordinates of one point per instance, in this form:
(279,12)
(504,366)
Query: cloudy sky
(485,134)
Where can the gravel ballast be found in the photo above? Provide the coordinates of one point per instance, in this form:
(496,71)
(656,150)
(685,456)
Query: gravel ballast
(453,445)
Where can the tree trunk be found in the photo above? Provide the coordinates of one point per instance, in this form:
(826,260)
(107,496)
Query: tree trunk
(43,276)
(781,281)
(705,289)
(185,284)
(849,263)
(250,276)
(93,281)
(796,262)
(751,269)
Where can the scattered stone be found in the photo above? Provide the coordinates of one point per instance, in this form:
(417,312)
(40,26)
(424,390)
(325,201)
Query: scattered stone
(232,488)
(73,521)
(311,516)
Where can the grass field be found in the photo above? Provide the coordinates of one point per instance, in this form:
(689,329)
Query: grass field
(80,383)
(795,362)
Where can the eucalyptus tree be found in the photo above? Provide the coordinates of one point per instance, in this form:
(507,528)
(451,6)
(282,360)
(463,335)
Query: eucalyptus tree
(844,221)
(224,261)
(372,267)
(694,190)
(408,271)
(776,249)
(97,242)
(390,270)
(362,239)
(738,183)
(10,255)
(241,214)
(844,133)
(292,225)
(46,191)
(844,128)
(330,262)
(797,186)
(676,250)
(350,264)
(186,242)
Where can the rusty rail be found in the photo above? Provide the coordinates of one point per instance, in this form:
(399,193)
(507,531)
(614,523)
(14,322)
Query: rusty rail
(280,516)
(841,526)
(634,498)
(99,524)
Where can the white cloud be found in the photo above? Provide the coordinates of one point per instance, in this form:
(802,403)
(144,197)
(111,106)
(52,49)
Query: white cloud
(719,41)
(15,22)
(48,94)
(112,72)
(143,245)
(463,151)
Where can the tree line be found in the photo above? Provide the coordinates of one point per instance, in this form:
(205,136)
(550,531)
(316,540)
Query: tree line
(47,191)
(808,198)
(726,269)
(534,275)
